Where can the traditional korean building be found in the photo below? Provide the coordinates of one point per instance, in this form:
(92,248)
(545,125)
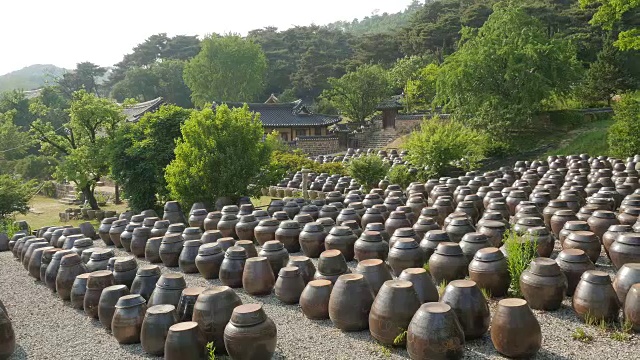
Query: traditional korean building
(136,111)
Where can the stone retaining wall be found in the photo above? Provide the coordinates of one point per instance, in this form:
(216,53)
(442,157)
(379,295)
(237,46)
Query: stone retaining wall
(318,145)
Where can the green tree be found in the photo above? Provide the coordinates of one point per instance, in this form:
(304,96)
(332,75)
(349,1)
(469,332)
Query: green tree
(358,93)
(228,68)
(502,72)
(368,170)
(235,155)
(610,13)
(14,196)
(624,134)
(17,102)
(406,69)
(85,76)
(606,76)
(420,92)
(149,144)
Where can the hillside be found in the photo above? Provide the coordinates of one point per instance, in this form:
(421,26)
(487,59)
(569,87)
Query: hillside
(378,23)
(30,77)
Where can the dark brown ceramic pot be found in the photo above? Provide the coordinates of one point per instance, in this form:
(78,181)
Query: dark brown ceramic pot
(458,227)
(212,312)
(258,278)
(277,255)
(232,267)
(155,326)
(612,233)
(558,220)
(625,249)
(127,235)
(472,242)
(343,239)
(406,253)
(312,239)
(226,242)
(601,220)
(168,290)
(586,241)
(26,255)
(188,298)
(211,236)
(370,245)
(543,284)
(187,259)
(350,303)
(107,303)
(550,210)
(139,241)
(515,331)
(124,270)
(184,341)
(7,335)
(396,220)
(170,249)
(145,281)
(314,300)
(422,282)
(152,250)
(372,215)
(96,283)
(78,289)
(160,228)
(469,305)
(543,239)
(35,262)
(632,307)
(375,273)
(490,271)
(305,267)
(288,233)
(494,230)
(70,266)
(52,269)
(99,259)
(573,263)
(227,225)
(211,221)
(628,216)
(250,334)
(47,255)
(626,276)
(594,297)
(392,310)
(403,233)
(431,240)
(571,226)
(289,285)
(434,333)
(423,225)
(448,263)
(248,246)
(209,260)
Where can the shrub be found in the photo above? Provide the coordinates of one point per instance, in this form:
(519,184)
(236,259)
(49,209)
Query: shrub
(14,196)
(368,170)
(399,174)
(439,143)
(36,167)
(624,134)
(520,252)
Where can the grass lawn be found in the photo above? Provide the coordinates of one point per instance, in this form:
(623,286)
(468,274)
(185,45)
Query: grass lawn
(590,140)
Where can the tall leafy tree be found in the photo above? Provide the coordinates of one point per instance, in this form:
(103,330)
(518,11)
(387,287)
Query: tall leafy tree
(610,13)
(84,77)
(17,102)
(228,68)
(420,92)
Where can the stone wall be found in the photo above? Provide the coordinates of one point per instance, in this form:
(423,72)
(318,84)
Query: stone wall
(318,145)
(407,126)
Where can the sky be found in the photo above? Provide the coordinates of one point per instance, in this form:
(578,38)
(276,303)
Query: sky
(65,32)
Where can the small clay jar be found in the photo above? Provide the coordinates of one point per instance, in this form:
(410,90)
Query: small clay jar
(331,265)
(515,331)
(571,226)
(435,333)
(626,276)
(187,259)
(232,267)
(139,241)
(469,305)
(107,303)
(288,233)
(70,266)
(257,277)
(543,284)
(192,233)
(145,281)
(52,269)
(392,310)
(489,270)
(625,249)
(612,233)
(78,289)
(188,298)
(266,230)
(558,220)
(289,285)
(314,300)
(431,240)
(631,308)
(96,283)
(312,239)
(472,242)
(209,260)
(170,249)
(448,263)
(175,228)
(350,302)
(370,245)
(248,246)
(155,326)
(277,255)
(375,273)
(245,227)
(124,270)
(586,241)
(168,290)
(211,221)
(594,297)
(250,334)
(212,311)
(305,267)
(406,253)
(601,220)
(184,341)
(227,225)
(343,239)
(573,263)
(159,229)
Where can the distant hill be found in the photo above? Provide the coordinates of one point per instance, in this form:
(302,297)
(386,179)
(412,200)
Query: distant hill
(30,77)
(379,23)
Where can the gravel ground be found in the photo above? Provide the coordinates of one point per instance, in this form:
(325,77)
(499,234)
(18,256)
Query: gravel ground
(48,328)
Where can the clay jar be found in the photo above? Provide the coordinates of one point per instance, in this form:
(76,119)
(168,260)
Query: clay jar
(127,235)
(448,263)
(227,225)
(469,305)
(209,260)
(594,297)
(70,266)
(305,267)
(431,240)
(124,270)
(515,331)
(612,233)
(331,265)
(631,308)
(424,224)
(586,241)
(600,221)
(245,227)
(625,249)
(250,334)
(35,263)
(52,269)
(458,227)
(170,249)
(312,239)
(314,300)
(543,284)
(472,242)
(406,253)
(288,233)
(99,259)
(258,278)
(211,221)
(232,267)
(375,273)
(78,289)
(145,281)
(341,238)
(558,220)
(139,240)
(188,298)
(155,326)
(184,341)
(289,285)
(212,311)
(265,230)
(168,290)
(97,281)
(573,263)
(107,303)
(7,335)
(152,250)
(626,276)
(187,259)
(370,245)
(489,270)
(554,205)
(350,302)
(396,220)
(277,255)
(392,310)
(197,217)
(372,215)
(434,333)
(403,233)
(494,230)
(571,226)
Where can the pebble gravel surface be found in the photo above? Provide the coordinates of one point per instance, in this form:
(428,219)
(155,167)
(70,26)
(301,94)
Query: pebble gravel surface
(48,328)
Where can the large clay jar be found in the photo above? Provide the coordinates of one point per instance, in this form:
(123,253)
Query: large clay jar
(35,263)
(107,303)
(52,269)
(312,239)
(625,249)
(155,326)
(626,276)
(197,217)
(103,230)
(117,228)
(586,241)
(343,239)
(472,242)
(469,305)
(227,225)
(448,263)
(331,265)
(314,300)
(494,230)
(152,250)
(226,242)
(406,253)
(424,224)
(423,284)
(431,240)
(139,241)
(554,205)
(211,221)
(370,245)
(558,220)
(277,255)
(99,259)
(187,259)
(403,233)
(188,298)
(232,267)
(173,212)
(258,278)
(289,285)
(168,290)
(47,255)
(375,273)
(396,220)
(305,267)
(543,284)
(170,249)
(594,297)
(350,302)
(490,271)
(612,233)
(41,243)
(458,227)
(124,270)
(632,307)
(515,331)
(266,230)
(392,310)
(571,226)
(145,281)
(372,215)
(288,234)
(78,289)
(573,263)
(70,266)
(185,341)
(96,283)
(211,236)
(601,220)
(209,260)
(127,235)
(434,333)
(250,334)
(7,335)
(212,312)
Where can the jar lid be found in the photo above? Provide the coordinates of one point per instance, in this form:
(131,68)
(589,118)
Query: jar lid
(83,243)
(303,218)
(289,224)
(59,254)
(248,315)
(276,203)
(348,211)
(161,309)
(544,267)
(596,277)
(125,264)
(71,231)
(209,249)
(449,249)
(171,281)
(142,231)
(369,265)
(357,205)
(199,212)
(475,237)
(268,222)
(280,215)
(620,228)
(192,243)
(530,221)
(564,213)
(460,221)
(272,245)
(573,256)
(117,223)
(341,231)
(299,260)
(372,196)
(148,270)
(128,301)
(236,252)
(425,220)
(230,209)
(109,220)
(329,208)
(397,215)
(70,237)
(260,214)
(172,238)
(583,236)
(404,232)
(100,279)
(214,215)
(538,231)
(405,244)
(289,272)
(371,236)
(604,214)
(312,227)
(375,227)
(436,235)
(229,217)
(557,203)
(488,254)
(70,260)
(291,204)
(466,204)
(192,231)
(492,224)
(176,228)
(629,238)
(101,254)
(575,225)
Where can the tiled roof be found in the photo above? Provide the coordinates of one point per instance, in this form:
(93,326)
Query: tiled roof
(291,114)
(394,102)
(135,112)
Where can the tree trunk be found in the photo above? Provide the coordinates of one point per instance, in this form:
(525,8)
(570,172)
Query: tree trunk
(117,199)
(87,191)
